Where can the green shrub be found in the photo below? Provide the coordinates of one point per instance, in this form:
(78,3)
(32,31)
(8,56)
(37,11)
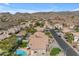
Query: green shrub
(24,44)
(77,29)
(55,51)
(70,37)
(39,23)
(8,43)
(48,34)
(31,30)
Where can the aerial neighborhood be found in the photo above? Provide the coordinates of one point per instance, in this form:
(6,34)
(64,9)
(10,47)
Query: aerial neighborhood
(39,34)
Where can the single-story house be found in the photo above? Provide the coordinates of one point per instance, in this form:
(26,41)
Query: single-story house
(4,35)
(11,30)
(66,29)
(76,36)
(1,32)
(59,26)
(38,43)
(72,26)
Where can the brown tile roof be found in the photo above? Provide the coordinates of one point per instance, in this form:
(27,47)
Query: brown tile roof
(75,33)
(38,41)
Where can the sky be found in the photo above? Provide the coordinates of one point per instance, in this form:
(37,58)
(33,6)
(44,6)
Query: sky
(38,7)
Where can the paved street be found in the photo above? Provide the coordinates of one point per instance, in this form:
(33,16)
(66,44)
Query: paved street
(54,44)
(68,50)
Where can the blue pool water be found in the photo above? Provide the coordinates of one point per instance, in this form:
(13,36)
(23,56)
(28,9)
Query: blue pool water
(21,52)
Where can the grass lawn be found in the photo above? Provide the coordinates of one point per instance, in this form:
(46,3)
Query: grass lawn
(55,51)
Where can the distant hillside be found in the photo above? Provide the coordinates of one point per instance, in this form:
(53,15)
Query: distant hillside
(8,20)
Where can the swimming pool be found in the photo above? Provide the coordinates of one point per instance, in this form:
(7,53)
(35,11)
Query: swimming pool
(21,52)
